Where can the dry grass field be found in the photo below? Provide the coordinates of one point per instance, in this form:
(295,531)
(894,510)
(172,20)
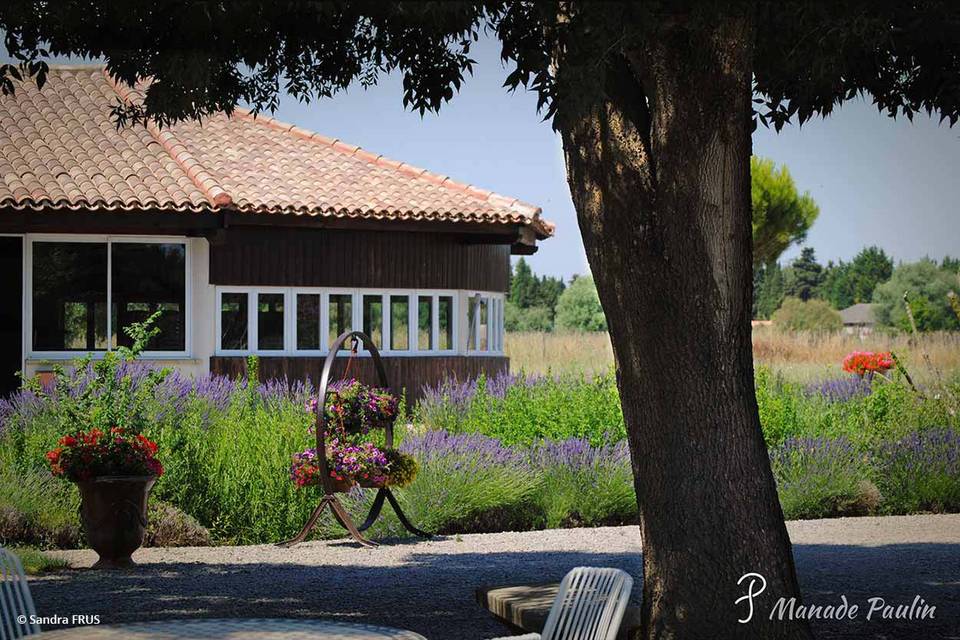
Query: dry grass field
(803,356)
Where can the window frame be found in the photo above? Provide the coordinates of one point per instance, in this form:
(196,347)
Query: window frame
(494,320)
(321,324)
(495,302)
(108,240)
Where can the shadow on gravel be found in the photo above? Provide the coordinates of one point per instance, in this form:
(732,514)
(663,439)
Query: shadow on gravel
(897,573)
(433,594)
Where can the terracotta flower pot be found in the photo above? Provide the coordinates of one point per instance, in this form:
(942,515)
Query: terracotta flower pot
(113,511)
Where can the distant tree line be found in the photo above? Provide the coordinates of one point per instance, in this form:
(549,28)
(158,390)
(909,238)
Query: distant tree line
(804,295)
(801,295)
(546,303)
(807,294)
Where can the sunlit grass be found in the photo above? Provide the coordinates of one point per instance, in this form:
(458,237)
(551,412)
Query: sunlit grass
(799,356)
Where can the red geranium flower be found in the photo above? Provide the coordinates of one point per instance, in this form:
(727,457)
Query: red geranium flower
(864,362)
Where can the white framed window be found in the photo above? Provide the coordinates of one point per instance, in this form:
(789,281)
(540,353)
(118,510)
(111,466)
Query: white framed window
(485,323)
(401,322)
(82,291)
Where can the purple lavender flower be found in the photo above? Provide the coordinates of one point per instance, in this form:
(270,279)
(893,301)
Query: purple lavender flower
(839,389)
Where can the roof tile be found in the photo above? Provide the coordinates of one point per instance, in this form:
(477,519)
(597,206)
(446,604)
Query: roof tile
(60,149)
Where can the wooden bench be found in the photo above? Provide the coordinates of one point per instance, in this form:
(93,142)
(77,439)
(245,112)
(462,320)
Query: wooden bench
(524,607)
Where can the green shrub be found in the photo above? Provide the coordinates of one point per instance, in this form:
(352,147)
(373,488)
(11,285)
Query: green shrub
(811,315)
(578,308)
(517,409)
(37,509)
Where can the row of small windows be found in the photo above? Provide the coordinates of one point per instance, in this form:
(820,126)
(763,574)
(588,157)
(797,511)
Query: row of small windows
(304,321)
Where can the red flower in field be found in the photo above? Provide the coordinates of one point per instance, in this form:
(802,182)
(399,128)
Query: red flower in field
(864,362)
(53,456)
(67,441)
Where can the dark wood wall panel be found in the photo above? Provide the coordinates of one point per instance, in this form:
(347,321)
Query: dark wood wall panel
(339,258)
(404,374)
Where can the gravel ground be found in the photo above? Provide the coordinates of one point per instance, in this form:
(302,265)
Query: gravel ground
(427,586)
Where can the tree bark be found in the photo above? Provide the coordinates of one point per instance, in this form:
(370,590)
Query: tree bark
(659,170)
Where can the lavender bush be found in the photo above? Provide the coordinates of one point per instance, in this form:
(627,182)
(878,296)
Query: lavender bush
(583,485)
(509,453)
(921,472)
(822,477)
(839,389)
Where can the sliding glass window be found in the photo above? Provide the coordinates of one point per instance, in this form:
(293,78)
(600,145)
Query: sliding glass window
(86,294)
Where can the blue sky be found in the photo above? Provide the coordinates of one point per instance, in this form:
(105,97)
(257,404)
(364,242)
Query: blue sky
(877,180)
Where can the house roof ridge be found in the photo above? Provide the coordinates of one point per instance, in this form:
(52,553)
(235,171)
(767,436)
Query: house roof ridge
(530,211)
(201,177)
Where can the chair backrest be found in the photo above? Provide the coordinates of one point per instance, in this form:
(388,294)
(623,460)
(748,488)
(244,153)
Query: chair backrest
(15,600)
(589,605)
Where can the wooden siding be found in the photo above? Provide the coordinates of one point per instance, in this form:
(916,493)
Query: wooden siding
(338,258)
(407,374)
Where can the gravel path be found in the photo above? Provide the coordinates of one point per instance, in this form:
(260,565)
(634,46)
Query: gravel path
(427,586)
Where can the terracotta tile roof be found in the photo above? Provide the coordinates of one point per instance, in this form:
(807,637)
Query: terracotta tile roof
(60,149)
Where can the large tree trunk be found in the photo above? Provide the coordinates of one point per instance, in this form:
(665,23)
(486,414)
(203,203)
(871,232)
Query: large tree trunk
(660,176)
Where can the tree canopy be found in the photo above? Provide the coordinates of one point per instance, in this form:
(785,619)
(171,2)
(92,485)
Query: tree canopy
(926,287)
(579,307)
(847,283)
(805,276)
(532,301)
(206,57)
(781,215)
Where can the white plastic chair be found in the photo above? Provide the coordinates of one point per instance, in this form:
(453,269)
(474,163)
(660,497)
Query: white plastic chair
(589,606)
(15,600)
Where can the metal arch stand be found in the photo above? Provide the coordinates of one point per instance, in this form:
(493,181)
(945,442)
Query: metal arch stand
(329,498)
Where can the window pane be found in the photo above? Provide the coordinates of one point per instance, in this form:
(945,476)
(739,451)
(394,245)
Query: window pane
(399,323)
(145,278)
(270,322)
(340,313)
(472,305)
(373,319)
(233,321)
(425,323)
(308,321)
(484,325)
(445,318)
(69,296)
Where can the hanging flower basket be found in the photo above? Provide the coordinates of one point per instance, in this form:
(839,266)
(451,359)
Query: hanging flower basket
(353,410)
